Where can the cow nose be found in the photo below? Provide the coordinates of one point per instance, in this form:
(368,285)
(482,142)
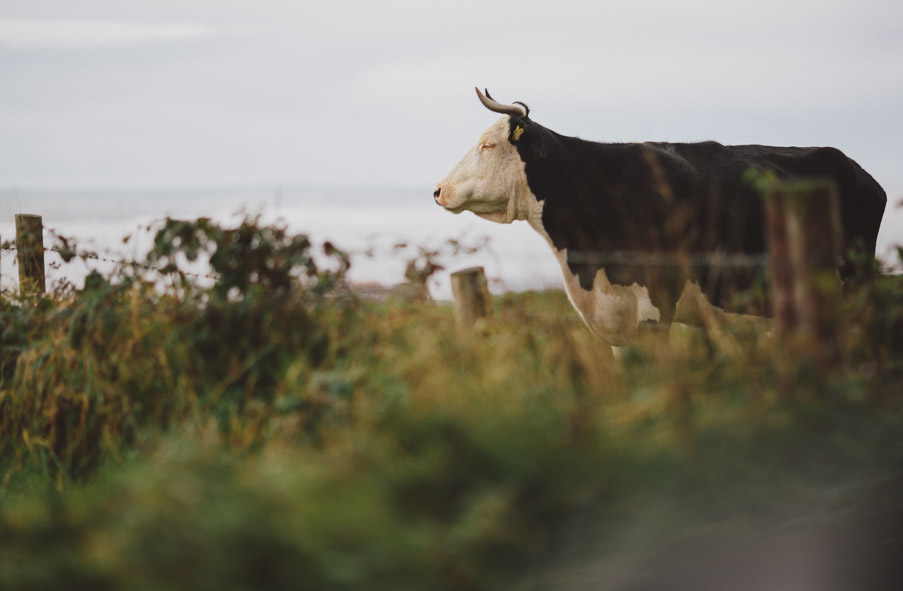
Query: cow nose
(436,194)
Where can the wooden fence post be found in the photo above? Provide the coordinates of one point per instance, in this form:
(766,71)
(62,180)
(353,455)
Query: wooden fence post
(471,292)
(803,228)
(780,267)
(30,253)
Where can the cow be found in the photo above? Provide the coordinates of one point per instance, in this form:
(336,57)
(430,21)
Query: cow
(618,216)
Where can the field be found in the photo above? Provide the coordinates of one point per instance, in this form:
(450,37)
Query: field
(271,430)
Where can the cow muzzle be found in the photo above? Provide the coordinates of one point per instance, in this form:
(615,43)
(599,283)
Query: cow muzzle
(445,196)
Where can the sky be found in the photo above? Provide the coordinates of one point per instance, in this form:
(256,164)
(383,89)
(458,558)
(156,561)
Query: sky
(220,93)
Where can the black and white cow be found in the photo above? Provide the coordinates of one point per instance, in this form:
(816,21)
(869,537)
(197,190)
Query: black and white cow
(614,214)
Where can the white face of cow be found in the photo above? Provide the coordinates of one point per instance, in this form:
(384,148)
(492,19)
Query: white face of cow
(489,180)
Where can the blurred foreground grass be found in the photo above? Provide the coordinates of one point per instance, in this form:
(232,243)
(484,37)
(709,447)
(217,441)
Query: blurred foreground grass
(272,431)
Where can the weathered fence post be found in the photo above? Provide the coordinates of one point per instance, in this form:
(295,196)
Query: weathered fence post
(780,266)
(30,253)
(803,227)
(471,292)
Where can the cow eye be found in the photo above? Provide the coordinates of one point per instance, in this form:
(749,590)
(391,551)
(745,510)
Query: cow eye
(486,146)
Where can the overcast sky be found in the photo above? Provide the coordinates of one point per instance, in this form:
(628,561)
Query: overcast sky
(195,93)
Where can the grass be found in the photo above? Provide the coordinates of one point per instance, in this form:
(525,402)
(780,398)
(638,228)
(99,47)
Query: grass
(271,431)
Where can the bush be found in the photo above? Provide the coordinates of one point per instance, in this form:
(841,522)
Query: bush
(263,428)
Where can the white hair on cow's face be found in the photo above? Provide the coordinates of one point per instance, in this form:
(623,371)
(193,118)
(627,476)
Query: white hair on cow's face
(489,180)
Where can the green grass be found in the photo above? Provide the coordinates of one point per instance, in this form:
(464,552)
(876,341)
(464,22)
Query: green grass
(270,431)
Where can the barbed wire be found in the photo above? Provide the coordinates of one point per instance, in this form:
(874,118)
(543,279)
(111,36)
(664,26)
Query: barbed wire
(656,259)
(67,254)
(631,258)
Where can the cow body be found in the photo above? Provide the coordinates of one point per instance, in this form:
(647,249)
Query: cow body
(632,225)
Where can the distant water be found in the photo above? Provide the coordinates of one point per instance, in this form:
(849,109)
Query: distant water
(359,220)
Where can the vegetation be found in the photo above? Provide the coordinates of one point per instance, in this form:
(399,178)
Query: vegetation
(268,430)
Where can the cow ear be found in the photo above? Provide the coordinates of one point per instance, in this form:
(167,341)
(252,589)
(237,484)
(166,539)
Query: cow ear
(516,133)
(529,138)
(518,127)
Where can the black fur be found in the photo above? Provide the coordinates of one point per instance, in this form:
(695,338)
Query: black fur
(664,198)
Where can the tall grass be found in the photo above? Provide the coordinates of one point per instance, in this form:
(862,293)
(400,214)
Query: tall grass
(268,430)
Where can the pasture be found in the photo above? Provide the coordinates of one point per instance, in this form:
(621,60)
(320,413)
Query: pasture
(271,430)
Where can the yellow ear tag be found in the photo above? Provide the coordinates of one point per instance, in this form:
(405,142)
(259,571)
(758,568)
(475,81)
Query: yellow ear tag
(518,131)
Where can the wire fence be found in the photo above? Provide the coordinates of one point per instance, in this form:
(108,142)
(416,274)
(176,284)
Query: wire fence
(67,254)
(718,261)
(633,258)
(504,273)
(732,260)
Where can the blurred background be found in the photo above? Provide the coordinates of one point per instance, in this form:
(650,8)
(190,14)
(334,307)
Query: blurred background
(341,117)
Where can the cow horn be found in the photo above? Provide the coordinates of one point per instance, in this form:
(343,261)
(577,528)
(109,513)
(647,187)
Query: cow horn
(517,109)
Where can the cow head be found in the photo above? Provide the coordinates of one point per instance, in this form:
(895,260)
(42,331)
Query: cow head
(490,179)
